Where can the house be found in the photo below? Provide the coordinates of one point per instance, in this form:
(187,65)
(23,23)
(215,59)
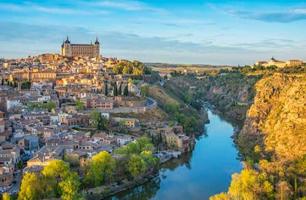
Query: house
(124,139)
(6,175)
(29,143)
(45,155)
(10,151)
(104,138)
(127,122)
(179,142)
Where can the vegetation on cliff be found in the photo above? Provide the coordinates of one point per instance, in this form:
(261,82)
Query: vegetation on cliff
(176,109)
(231,93)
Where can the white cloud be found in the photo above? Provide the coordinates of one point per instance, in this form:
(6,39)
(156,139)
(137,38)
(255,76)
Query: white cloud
(127,5)
(28,6)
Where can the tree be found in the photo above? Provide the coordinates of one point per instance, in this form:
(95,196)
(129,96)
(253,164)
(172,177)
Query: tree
(250,185)
(105,88)
(120,89)
(150,160)
(140,145)
(115,89)
(144,90)
(221,196)
(26,85)
(97,121)
(127,69)
(55,172)
(6,196)
(70,187)
(126,91)
(50,105)
(136,165)
(31,187)
(79,105)
(100,169)
(95,117)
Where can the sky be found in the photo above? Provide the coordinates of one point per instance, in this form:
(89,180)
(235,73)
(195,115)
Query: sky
(172,31)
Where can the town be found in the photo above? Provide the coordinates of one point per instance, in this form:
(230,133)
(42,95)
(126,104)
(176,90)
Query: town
(83,109)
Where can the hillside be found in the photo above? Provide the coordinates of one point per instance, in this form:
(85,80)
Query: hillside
(176,109)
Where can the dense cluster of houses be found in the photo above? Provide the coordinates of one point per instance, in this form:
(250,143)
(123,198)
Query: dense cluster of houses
(46,104)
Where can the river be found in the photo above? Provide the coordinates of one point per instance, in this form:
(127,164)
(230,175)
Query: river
(204,172)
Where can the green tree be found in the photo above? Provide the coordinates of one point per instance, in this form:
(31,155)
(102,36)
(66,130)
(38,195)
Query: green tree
(95,118)
(79,105)
(50,105)
(98,122)
(140,145)
(120,89)
(115,89)
(69,187)
(31,187)
(144,90)
(136,165)
(26,85)
(126,91)
(105,88)
(150,160)
(100,169)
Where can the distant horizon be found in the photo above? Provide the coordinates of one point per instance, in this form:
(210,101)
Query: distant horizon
(214,32)
(153,62)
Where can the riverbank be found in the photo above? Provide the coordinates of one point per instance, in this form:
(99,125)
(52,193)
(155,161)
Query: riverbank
(105,191)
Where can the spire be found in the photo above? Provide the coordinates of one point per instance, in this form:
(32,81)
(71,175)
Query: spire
(97,41)
(67,40)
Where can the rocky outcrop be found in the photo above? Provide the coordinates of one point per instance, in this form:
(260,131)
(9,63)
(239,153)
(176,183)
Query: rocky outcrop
(277,119)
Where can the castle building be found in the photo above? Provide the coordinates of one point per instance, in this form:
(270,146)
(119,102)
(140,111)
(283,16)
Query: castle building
(279,63)
(90,50)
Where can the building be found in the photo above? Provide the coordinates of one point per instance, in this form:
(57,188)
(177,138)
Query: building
(127,122)
(279,63)
(89,50)
(34,75)
(294,63)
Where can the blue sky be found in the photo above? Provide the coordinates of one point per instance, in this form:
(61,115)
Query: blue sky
(173,31)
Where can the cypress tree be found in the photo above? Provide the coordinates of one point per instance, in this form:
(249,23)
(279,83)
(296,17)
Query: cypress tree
(126,91)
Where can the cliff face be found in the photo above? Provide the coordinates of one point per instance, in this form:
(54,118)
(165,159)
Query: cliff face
(277,119)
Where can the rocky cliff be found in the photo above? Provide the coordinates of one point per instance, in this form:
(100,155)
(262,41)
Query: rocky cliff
(277,118)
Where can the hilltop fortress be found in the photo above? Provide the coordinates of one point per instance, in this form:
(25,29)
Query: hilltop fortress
(71,50)
(280,63)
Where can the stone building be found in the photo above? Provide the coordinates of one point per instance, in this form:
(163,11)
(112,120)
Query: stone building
(280,63)
(89,50)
